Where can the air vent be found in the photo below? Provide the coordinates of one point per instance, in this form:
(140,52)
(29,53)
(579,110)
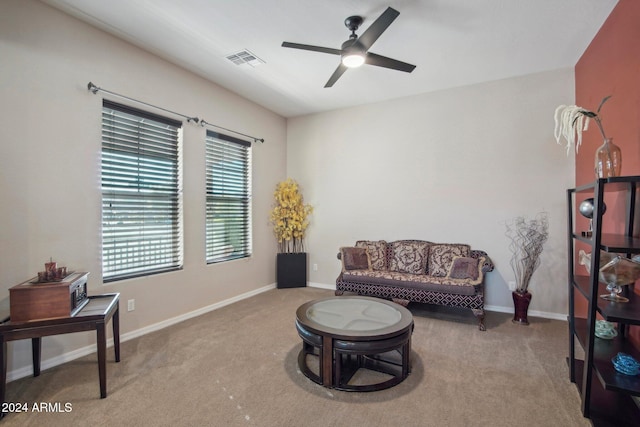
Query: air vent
(245,57)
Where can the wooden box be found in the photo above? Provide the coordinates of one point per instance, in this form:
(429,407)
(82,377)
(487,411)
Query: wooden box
(35,301)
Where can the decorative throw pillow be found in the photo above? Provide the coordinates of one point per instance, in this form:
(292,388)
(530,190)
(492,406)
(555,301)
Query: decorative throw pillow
(377,252)
(409,257)
(355,258)
(441,256)
(464,268)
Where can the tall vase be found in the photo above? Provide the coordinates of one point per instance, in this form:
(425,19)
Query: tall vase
(608,159)
(521,303)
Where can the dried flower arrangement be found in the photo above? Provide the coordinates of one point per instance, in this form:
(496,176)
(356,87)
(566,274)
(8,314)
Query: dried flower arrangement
(571,121)
(289,217)
(527,239)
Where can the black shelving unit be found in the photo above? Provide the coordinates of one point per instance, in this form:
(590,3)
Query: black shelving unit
(607,401)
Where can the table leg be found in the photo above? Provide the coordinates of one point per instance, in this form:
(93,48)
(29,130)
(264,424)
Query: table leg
(116,332)
(102,357)
(3,372)
(326,359)
(337,368)
(36,349)
(409,354)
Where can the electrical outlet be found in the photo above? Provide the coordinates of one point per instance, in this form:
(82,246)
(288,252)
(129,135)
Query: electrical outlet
(315,267)
(512,285)
(131,305)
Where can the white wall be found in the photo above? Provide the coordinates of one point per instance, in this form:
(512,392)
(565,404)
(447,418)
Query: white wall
(50,128)
(450,166)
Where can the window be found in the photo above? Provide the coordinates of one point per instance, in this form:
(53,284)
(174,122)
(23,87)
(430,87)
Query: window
(141,193)
(228,223)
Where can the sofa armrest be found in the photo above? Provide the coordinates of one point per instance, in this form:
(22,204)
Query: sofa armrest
(488,264)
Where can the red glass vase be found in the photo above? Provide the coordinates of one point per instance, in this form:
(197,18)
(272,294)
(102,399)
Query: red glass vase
(521,303)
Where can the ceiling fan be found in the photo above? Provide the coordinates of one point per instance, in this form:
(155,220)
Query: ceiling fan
(355,51)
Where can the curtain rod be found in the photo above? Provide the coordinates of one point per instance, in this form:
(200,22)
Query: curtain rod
(95,89)
(203,123)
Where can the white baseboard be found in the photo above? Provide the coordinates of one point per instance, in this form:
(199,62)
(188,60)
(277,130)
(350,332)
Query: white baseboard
(321,285)
(84,351)
(532,313)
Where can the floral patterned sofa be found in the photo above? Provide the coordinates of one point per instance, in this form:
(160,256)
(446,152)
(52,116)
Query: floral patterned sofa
(416,270)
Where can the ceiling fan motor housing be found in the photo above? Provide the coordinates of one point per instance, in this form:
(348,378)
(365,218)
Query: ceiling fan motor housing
(351,45)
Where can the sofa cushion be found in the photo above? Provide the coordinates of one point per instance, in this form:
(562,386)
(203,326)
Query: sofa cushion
(464,268)
(446,285)
(409,257)
(355,258)
(441,256)
(377,252)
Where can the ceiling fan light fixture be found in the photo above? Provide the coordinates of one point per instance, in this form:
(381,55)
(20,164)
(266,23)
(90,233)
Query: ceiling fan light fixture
(353,60)
(352,54)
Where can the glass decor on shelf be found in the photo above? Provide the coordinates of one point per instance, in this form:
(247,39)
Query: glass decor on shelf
(608,160)
(626,364)
(605,330)
(616,271)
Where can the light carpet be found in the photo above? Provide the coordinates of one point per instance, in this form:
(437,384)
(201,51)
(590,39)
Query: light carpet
(237,366)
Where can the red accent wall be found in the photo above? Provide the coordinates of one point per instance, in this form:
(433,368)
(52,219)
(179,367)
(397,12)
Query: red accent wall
(611,66)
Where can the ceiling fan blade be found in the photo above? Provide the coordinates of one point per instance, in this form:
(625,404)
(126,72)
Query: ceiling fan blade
(383,61)
(336,75)
(378,27)
(312,48)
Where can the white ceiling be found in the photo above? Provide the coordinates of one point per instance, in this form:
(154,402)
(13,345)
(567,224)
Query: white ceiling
(452,42)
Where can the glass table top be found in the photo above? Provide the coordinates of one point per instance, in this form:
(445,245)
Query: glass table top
(353,314)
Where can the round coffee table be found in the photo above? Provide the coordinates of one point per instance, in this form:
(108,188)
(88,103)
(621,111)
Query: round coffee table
(349,333)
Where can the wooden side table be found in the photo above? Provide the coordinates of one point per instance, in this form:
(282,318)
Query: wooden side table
(94,316)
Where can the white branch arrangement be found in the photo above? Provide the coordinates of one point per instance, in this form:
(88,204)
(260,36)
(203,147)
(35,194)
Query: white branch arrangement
(572,120)
(527,239)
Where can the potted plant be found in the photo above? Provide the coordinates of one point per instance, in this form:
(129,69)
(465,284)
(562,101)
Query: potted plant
(289,219)
(527,238)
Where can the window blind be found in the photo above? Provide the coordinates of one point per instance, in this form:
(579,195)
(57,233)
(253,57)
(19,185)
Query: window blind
(228,200)
(141,193)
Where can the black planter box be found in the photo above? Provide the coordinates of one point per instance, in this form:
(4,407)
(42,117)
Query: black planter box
(291,271)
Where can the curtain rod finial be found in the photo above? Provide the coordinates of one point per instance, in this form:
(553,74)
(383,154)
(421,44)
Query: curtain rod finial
(93,88)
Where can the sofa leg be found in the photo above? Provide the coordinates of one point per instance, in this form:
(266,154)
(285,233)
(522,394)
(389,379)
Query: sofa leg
(338,293)
(479,313)
(402,302)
